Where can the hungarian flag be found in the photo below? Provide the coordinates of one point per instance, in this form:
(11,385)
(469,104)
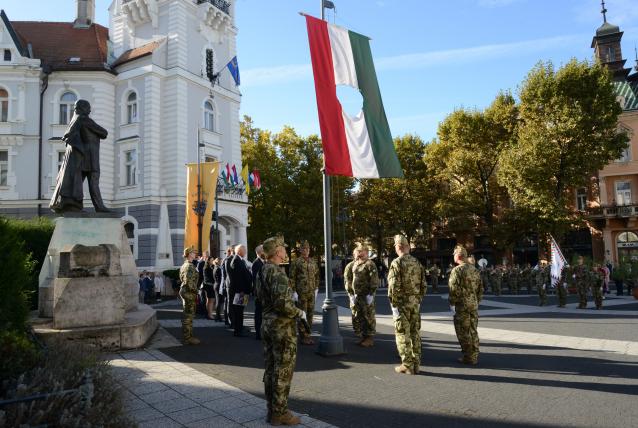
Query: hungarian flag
(358,146)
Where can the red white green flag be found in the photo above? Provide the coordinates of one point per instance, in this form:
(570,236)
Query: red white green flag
(359,146)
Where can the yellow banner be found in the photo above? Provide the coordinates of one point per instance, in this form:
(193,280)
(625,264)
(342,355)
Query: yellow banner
(208,172)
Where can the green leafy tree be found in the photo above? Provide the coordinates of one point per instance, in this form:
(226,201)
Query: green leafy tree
(568,130)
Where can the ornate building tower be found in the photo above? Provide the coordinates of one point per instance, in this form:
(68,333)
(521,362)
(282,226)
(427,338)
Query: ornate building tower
(607,49)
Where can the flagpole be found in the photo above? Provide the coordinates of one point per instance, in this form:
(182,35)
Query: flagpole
(330,342)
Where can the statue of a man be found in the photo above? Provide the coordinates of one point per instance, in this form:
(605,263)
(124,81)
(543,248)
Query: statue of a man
(81,160)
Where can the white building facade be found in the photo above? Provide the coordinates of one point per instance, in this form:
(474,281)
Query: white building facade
(148,79)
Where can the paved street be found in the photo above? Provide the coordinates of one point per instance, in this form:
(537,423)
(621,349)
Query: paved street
(538,367)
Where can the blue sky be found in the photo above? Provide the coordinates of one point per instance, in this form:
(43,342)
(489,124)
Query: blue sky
(431,56)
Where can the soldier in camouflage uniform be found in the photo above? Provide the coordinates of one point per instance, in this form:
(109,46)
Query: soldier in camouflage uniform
(485,278)
(528,277)
(542,281)
(434,277)
(465,294)
(361,281)
(496,279)
(581,275)
(514,275)
(188,292)
(561,287)
(278,332)
(304,279)
(406,288)
(597,282)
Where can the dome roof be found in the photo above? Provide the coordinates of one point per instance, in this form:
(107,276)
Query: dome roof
(607,29)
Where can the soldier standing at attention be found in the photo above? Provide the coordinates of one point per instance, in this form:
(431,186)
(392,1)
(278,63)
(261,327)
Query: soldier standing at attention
(188,291)
(465,294)
(434,275)
(597,283)
(581,277)
(278,332)
(561,287)
(304,277)
(542,282)
(406,288)
(497,278)
(362,280)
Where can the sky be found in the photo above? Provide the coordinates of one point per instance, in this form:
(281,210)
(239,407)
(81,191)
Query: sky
(431,56)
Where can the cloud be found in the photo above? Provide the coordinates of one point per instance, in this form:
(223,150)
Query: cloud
(294,72)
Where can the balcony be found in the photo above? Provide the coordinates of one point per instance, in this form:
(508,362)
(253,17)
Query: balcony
(622,211)
(222,5)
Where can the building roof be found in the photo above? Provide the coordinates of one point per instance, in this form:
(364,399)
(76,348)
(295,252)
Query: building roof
(628,89)
(12,33)
(136,53)
(607,29)
(55,43)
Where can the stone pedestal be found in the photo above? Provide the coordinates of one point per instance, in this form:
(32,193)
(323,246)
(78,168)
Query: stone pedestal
(89,288)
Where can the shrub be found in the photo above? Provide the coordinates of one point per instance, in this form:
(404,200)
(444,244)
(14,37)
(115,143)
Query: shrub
(15,274)
(36,235)
(19,354)
(65,367)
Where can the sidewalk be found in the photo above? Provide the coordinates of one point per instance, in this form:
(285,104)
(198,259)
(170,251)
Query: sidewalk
(160,392)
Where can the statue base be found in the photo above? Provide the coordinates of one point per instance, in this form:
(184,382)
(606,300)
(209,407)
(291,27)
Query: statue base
(89,287)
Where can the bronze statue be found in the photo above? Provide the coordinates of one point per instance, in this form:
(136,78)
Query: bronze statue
(81,160)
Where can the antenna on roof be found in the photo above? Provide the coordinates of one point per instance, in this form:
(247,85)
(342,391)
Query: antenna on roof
(636,52)
(604,11)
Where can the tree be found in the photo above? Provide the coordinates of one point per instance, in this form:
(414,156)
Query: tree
(568,130)
(466,158)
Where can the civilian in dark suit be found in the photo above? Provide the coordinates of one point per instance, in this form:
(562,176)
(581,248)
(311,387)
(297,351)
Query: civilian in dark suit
(223,287)
(256,269)
(241,281)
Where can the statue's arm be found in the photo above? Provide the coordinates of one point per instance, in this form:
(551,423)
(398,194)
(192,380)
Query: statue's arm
(97,129)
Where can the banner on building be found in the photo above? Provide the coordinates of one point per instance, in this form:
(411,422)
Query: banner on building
(205,204)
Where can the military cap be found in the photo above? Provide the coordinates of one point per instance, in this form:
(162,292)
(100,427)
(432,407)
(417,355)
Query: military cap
(460,249)
(187,251)
(304,244)
(271,244)
(400,240)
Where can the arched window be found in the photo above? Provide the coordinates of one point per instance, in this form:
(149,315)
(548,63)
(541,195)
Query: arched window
(209,116)
(129,228)
(4,105)
(626,237)
(131,108)
(67,101)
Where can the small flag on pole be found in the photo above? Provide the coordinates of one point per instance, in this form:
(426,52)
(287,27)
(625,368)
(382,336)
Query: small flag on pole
(235,177)
(558,262)
(233,67)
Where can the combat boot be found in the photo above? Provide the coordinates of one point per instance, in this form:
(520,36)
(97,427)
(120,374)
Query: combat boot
(192,341)
(285,419)
(416,369)
(462,360)
(368,342)
(403,369)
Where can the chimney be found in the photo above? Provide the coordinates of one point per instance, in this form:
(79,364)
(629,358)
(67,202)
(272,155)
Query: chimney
(85,13)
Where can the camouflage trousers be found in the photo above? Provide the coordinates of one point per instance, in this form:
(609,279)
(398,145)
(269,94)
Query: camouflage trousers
(542,294)
(280,354)
(561,291)
(435,284)
(306,303)
(407,327)
(189,298)
(597,291)
(581,287)
(513,287)
(496,287)
(364,321)
(465,324)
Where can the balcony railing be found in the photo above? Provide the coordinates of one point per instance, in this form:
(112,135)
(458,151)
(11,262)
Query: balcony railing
(222,5)
(621,211)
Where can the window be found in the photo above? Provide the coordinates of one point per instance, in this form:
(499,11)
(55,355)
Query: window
(129,228)
(60,159)
(67,101)
(581,199)
(4,167)
(7,55)
(611,54)
(209,116)
(626,155)
(4,105)
(131,108)
(623,193)
(130,167)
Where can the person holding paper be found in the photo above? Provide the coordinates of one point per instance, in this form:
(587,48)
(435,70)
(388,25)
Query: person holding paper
(406,288)
(304,279)
(361,281)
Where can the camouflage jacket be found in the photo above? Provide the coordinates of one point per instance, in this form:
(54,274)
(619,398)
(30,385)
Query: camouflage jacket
(465,287)
(361,278)
(188,276)
(275,294)
(581,273)
(406,281)
(304,275)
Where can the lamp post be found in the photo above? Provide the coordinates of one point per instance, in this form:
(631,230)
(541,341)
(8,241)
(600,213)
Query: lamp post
(330,342)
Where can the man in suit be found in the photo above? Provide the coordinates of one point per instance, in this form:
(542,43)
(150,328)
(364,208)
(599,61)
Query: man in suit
(223,288)
(240,286)
(256,269)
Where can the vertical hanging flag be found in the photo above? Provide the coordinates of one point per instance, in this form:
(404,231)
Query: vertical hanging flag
(233,67)
(229,179)
(208,180)
(244,176)
(257,179)
(358,146)
(235,177)
(558,262)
